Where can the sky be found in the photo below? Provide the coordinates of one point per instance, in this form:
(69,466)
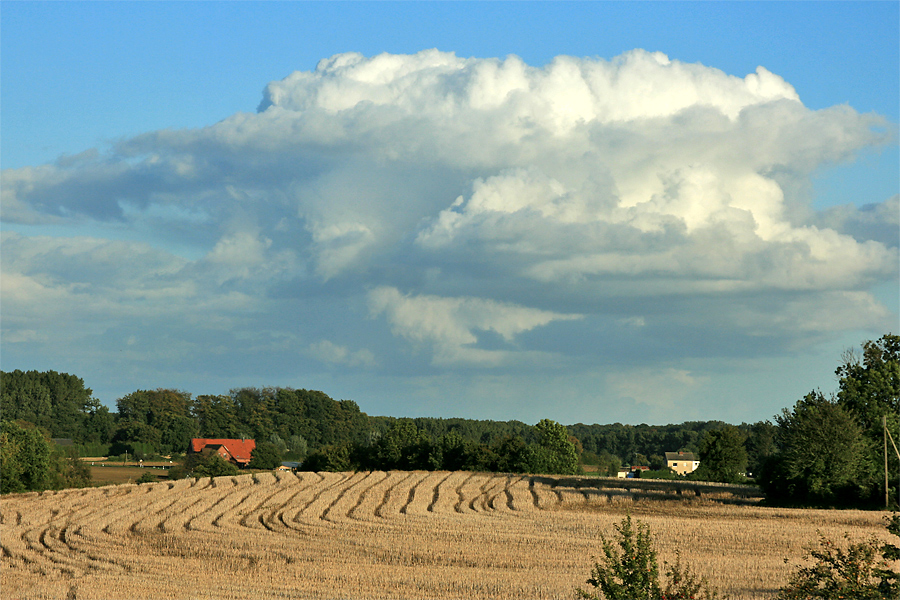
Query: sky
(589,212)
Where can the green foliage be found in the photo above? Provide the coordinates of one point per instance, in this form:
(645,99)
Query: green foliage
(723,456)
(821,449)
(68,470)
(555,452)
(626,441)
(329,458)
(830,451)
(404,446)
(861,571)
(161,418)
(455,451)
(761,444)
(891,551)
(658,463)
(56,402)
(265,456)
(178,471)
(216,417)
(148,477)
(608,464)
(629,570)
(514,455)
(401,447)
(93,449)
(209,464)
(297,447)
(869,389)
(684,584)
(29,461)
(668,474)
(25,458)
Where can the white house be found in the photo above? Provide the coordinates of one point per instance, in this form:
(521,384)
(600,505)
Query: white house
(682,462)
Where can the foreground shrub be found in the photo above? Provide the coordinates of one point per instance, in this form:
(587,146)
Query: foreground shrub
(861,571)
(631,571)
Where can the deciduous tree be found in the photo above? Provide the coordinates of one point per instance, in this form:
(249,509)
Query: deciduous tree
(723,456)
(24,458)
(820,452)
(555,452)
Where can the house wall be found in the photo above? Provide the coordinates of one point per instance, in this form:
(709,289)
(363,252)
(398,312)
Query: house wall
(683,467)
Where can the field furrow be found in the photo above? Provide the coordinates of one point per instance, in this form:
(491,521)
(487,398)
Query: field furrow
(374,536)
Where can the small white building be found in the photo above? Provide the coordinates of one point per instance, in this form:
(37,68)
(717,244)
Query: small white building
(682,462)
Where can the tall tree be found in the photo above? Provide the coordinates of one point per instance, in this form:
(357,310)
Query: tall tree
(216,417)
(760,444)
(723,456)
(57,402)
(821,449)
(869,388)
(25,462)
(555,452)
(161,418)
(265,456)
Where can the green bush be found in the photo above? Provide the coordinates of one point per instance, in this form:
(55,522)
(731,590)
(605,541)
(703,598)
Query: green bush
(860,571)
(667,474)
(209,464)
(25,458)
(148,477)
(631,571)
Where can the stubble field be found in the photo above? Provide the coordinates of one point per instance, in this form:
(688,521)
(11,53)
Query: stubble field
(378,535)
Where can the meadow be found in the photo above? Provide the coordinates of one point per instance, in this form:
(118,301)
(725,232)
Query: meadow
(378,535)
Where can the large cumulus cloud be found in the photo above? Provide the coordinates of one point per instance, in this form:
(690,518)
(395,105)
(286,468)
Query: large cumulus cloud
(465,205)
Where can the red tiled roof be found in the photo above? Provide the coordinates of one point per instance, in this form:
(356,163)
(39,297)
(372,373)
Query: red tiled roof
(240,450)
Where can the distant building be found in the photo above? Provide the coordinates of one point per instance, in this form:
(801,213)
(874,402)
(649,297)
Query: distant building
(633,472)
(682,462)
(236,452)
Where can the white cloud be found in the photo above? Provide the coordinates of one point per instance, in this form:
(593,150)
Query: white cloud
(504,199)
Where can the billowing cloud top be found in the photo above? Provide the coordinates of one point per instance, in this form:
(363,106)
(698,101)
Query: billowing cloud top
(472,207)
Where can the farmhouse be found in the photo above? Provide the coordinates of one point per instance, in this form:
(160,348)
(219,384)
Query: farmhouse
(234,451)
(682,462)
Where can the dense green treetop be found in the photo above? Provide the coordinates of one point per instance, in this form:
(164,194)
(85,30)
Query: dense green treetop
(830,451)
(723,456)
(24,457)
(56,402)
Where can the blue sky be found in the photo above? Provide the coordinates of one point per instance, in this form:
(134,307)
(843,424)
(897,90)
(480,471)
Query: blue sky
(649,231)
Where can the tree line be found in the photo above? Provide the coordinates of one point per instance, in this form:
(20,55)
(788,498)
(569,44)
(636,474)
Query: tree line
(825,450)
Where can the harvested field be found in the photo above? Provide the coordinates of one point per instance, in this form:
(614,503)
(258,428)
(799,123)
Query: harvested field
(416,535)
